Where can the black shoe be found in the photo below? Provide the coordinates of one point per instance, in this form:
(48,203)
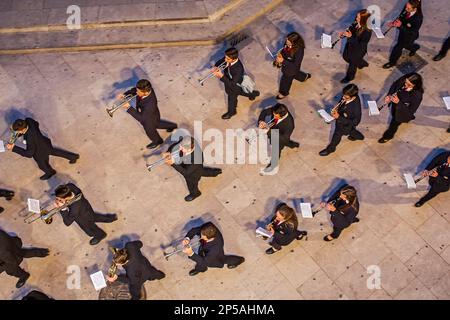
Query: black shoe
(193,272)
(228,115)
(308,75)
(438,57)
(351,138)
(9,196)
(448,130)
(95,241)
(115,218)
(74,160)
(191,197)
(254,95)
(346,80)
(41,253)
(47,176)
(356,220)
(325,152)
(279,97)
(22,281)
(218,171)
(170,130)
(383,140)
(364,66)
(1,209)
(270,251)
(302,234)
(418,204)
(294,144)
(388,65)
(412,53)
(326,238)
(153,145)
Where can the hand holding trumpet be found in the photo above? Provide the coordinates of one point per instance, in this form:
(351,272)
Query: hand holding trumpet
(263,125)
(217,72)
(9,146)
(335,114)
(112,279)
(187,248)
(329,206)
(168,159)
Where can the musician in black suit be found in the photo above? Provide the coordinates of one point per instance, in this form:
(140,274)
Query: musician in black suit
(186,157)
(358,37)
(137,267)
(404,98)
(36,295)
(439,178)
(232,76)
(408,23)
(278,118)
(344,210)
(39,147)
(443,52)
(348,116)
(81,212)
(7,194)
(283,228)
(290,60)
(12,255)
(147,112)
(210,252)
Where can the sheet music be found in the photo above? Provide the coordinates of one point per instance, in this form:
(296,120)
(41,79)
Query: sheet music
(378,33)
(305,208)
(98,280)
(447,102)
(2,146)
(373,108)
(409,181)
(34,206)
(325,115)
(325,41)
(263,232)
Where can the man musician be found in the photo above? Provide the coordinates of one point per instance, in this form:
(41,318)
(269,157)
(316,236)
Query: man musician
(12,255)
(210,253)
(81,212)
(438,171)
(278,118)
(186,157)
(137,267)
(147,112)
(232,76)
(443,52)
(39,147)
(7,194)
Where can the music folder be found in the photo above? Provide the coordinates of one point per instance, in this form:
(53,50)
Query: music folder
(409,181)
(263,232)
(447,102)
(98,280)
(34,206)
(378,32)
(325,41)
(305,208)
(373,108)
(325,115)
(2,146)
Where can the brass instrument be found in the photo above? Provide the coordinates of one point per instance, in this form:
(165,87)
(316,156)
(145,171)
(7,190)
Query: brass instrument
(14,136)
(445,164)
(162,160)
(274,57)
(401,15)
(116,106)
(46,215)
(336,107)
(221,67)
(333,202)
(395,93)
(340,38)
(270,124)
(192,244)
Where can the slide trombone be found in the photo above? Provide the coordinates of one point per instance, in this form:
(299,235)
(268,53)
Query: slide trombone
(270,125)
(193,245)
(221,67)
(14,136)
(342,36)
(46,215)
(175,154)
(116,106)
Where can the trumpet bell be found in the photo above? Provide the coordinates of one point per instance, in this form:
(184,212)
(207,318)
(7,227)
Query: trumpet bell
(110,112)
(48,220)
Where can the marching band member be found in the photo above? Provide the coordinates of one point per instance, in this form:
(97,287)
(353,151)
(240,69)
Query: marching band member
(210,253)
(443,52)
(137,267)
(147,112)
(409,25)
(36,295)
(81,212)
(283,121)
(188,161)
(405,96)
(343,212)
(283,228)
(12,255)
(7,194)
(348,116)
(290,59)
(439,177)
(232,76)
(358,36)
(39,147)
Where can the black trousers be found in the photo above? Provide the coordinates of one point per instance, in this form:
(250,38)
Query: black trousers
(43,161)
(286,81)
(152,132)
(15,270)
(192,182)
(433,192)
(93,230)
(392,129)
(398,48)
(337,136)
(233,100)
(278,245)
(230,260)
(445,47)
(353,66)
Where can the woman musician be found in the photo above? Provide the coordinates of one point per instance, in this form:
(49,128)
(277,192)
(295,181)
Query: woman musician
(283,228)
(404,103)
(358,36)
(343,212)
(290,60)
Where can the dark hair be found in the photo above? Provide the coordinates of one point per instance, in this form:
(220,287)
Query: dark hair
(416,80)
(63,191)
(416,4)
(364,17)
(232,53)
(280,109)
(19,124)
(350,90)
(144,85)
(297,41)
(209,230)
(288,215)
(350,193)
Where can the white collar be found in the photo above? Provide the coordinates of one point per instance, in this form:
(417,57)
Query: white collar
(233,63)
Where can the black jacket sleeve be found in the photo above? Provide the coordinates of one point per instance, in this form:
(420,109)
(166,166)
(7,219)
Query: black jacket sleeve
(410,27)
(132,91)
(237,76)
(352,114)
(291,65)
(194,232)
(438,160)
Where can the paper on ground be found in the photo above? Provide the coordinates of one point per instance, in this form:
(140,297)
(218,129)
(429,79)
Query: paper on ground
(325,41)
(373,108)
(2,146)
(447,102)
(98,280)
(305,208)
(409,181)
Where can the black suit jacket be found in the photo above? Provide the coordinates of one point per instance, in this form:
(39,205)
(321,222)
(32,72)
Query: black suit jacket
(285,233)
(146,112)
(139,269)
(10,250)
(409,30)
(344,215)
(210,254)
(349,115)
(356,46)
(409,102)
(81,211)
(191,165)
(232,76)
(291,65)
(285,127)
(38,145)
(442,181)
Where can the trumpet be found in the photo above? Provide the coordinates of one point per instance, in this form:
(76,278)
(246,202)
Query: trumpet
(193,245)
(401,15)
(270,125)
(336,107)
(387,103)
(14,136)
(46,215)
(445,164)
(340,38)
(116,106)
(332,202)
(222,67)
(175,154)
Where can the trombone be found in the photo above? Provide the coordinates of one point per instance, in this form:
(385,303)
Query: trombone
(116,106)
(270,125)
(46,215)
(162,160)
(221,67)
(193,245)
(14,136)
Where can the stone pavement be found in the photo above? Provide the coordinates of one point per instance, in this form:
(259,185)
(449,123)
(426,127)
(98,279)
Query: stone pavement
(68,93)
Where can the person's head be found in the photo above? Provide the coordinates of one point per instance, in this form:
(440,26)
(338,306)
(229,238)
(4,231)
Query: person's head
(362,17)
(187,144)
(350,91)
(120,256)
(294,40)
(20,126)
(414,81)
(208,232)
(448,159)
(231,55)
(286,213)
(413,5)
(63,193)
(279,111)
(348,193)
(144,88)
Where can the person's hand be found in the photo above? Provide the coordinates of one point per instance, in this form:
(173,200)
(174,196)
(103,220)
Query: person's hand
(397,23)
(341,34)
(113,278)
(185,242)
(395,99)
(9,146)
(188,250)
(335,114)
(126,105)
(425,173)
(331,207)
(280,58)
(217,72)
(347,33)
(387,99)
(120,96)
(434,174)
(262,125)
(168,158)
(323,204)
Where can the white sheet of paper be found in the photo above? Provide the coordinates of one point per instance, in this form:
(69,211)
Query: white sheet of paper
(373,108)
(2,146)
(305,208)
(378,33)
(263,232)
(409,181)
(98,280)
(325,115)
(268,50)
(34,206)
(325,41)
(447,102)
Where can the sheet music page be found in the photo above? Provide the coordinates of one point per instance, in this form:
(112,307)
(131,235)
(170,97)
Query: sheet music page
(447,102)
(325,115)
(373,108)
(98,280)
(34,206)
(305,208)
(326,41)
(2,146)
(378,33)
(409,181)
(263,232)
